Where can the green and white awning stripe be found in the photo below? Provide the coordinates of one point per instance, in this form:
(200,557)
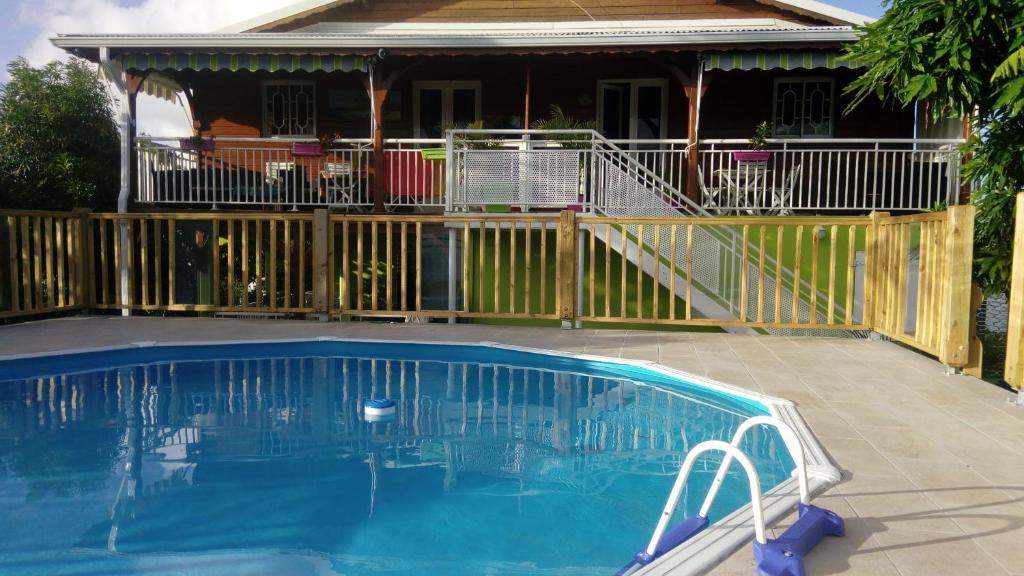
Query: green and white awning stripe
(156,85)
(249,62)
(785,60)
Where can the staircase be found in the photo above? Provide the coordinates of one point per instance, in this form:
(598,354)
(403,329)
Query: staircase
(489,168)
(623,187)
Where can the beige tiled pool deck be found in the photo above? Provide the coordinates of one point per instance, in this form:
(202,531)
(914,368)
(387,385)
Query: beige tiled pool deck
(933,464)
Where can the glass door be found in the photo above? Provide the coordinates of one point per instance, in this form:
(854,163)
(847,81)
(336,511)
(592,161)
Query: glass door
(633,109)
(615,110)
(439,106)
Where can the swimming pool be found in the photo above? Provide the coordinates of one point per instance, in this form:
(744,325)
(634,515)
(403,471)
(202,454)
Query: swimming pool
(256,459)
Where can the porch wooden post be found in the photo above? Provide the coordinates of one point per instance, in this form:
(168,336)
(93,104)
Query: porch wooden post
(379,94)
(377,89)
(693,156)
(527,95)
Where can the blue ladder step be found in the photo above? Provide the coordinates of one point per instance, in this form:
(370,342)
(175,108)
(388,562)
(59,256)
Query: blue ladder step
(784,556)
(674,537)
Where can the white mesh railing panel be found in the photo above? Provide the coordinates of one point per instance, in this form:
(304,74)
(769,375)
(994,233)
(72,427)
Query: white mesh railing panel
(491,177)
(526,177)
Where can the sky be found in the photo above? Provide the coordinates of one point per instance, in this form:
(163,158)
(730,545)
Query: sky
(28,25)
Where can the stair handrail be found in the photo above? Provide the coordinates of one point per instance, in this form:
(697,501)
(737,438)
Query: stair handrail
(697,209)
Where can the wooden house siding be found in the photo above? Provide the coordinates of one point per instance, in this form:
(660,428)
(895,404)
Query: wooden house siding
(538,11)
(230,104)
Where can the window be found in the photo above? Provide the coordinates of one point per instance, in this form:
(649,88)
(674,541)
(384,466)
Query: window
(289,108)
(803,107)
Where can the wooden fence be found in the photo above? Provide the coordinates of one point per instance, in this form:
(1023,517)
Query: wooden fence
(905,277)
(1014,372)
(933,313)
(44,269)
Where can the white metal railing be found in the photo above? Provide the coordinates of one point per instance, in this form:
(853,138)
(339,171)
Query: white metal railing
(527,169)
(414,172)
(272,171)
(820,174)
(666,158)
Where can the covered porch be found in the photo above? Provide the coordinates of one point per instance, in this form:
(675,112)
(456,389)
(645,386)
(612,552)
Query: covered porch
(285,121)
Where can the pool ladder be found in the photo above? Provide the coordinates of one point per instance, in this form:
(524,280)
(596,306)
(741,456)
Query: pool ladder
(779,557)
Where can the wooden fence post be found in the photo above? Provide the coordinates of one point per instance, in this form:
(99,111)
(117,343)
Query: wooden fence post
(954,346)
(871,275)
(84,290)
(321,262)
(1014,369)
(566,263)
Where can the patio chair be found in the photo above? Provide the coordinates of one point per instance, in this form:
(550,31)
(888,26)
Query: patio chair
(712,197)
(783,195)
(338,180)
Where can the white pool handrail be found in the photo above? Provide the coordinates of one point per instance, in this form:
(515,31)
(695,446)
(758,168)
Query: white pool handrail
(732,452)
(789,437)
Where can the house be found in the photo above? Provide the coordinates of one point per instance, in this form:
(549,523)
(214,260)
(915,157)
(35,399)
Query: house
(677,87)
(450,108)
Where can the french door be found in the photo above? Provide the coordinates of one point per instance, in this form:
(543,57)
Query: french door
(439,106)
(633,109)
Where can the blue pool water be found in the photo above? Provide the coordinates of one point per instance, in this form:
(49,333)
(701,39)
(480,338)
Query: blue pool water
(256,459)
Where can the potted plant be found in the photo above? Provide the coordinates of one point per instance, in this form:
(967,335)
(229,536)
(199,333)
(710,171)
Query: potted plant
(197,143)
(758,151)
(319,148)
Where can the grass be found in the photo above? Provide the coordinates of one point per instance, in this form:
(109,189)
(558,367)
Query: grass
(484,299)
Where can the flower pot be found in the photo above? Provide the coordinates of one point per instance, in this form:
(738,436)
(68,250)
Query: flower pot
(203,145)
(751,155)
(307,149)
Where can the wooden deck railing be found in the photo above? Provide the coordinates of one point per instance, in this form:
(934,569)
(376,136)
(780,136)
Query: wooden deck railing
(787,273)
(44,265)
(921,274)
(1014,372)
(905,277)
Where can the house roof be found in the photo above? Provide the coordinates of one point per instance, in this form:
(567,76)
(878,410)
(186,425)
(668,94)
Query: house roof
(304,8)
(358,39)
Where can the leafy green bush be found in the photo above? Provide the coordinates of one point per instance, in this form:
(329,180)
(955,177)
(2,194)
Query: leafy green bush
(59,145)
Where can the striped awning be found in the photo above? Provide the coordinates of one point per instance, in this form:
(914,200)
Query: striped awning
(785,60)
(251,62)
(156,85)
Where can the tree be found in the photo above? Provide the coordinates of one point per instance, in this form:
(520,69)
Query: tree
(59,146)
(964,57)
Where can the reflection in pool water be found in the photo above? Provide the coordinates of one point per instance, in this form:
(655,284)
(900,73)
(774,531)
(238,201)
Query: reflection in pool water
(267,466)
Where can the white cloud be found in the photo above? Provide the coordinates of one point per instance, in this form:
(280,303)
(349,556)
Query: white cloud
(52,17)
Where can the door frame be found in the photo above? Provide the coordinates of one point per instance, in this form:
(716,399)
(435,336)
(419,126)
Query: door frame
(446,87)
(634,85)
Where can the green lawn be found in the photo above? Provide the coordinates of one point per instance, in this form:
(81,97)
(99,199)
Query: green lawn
(484,300)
